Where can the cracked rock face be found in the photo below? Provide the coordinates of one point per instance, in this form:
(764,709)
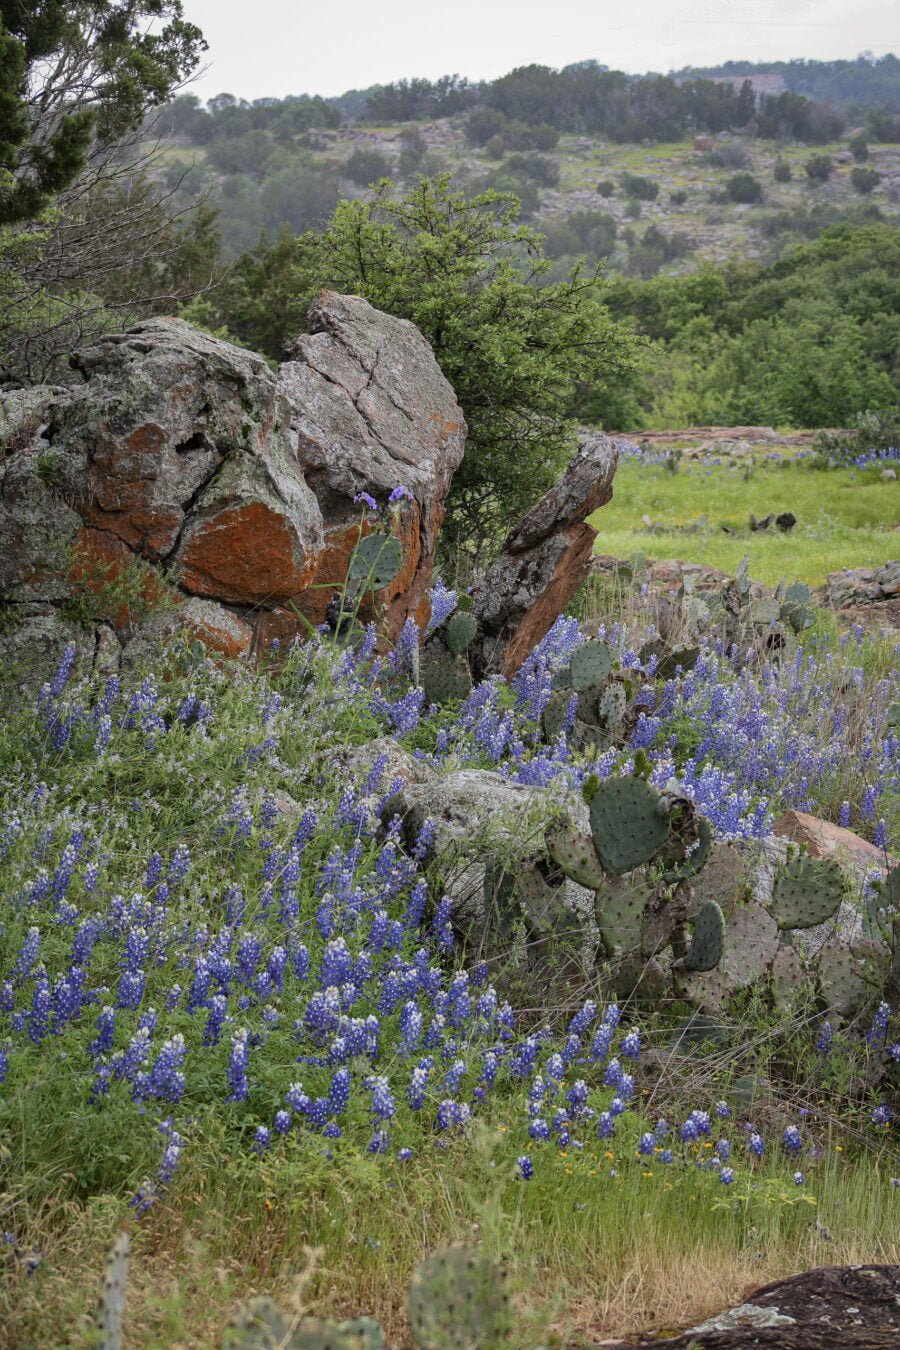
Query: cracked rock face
(190,454)
(542,563)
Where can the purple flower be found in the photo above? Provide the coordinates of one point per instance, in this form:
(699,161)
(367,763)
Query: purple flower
(365,499)
(525,1166)
(400,493)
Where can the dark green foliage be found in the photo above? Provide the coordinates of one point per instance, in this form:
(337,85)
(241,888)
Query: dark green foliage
(606,188)
(474,283)
(364,167)
(864,180)
(678,198)
(818,168)
(859,148)
(629,823)
(639,188)
(707,938)
(810,341)
(743,187)
(782,172)
(588,233)
(538,168)
(807,891)
(103,62)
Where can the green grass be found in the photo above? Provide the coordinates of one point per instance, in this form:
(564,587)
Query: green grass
(844,518)
(600,1242)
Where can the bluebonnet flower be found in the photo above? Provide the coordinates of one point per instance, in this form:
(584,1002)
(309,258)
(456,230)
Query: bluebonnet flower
(647,1144)
(881,1115)
(404,1154)
(792,1140)
(525,1166)
(339,1092)
(443,603)
(726,1176)
(844,815)
(262,1139)
(799,1178)
(238,1062)
(631,1044)
(722,1109)
(282,1122)
(825,1038)
(606,1125)
(755,1144)
(877,1032)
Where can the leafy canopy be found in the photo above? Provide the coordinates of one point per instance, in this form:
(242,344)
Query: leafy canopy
(474,281)
(73,72)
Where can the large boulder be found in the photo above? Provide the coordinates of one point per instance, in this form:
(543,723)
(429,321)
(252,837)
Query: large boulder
(187,453)
(542,563)
(370,410)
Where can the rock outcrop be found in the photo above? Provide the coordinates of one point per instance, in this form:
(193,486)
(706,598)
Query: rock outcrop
(542,563)
(189,454)
(851,1307)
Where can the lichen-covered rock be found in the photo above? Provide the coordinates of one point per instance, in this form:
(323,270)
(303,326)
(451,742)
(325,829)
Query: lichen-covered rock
(370,410)
(542,563)
(189,453)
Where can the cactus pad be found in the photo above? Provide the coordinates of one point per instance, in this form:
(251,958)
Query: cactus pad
(376,560)
(611,706)
(261,1325)
(445,677)
(111,1305)
(850,974)
(619,910)
(461,629)
(458,1301)
(573,850)
(707,939)
(629,823)
(591,664)
(556,713)
(807,891)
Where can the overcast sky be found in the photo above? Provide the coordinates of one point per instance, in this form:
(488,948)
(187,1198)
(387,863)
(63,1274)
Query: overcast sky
(279,47)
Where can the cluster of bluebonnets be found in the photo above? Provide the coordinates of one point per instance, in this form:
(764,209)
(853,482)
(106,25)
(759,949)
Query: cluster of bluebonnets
(259,945)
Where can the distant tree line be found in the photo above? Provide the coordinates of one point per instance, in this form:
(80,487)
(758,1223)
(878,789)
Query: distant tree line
(865,82)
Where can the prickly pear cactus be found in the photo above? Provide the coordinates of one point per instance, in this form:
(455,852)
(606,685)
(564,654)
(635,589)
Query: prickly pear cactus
(573,850)
(590,665)
(462,628)
(111,1305)
(444,676)
(619,911)
(850,974)
(707,939)
(376,560)
(797,607)
(629,823)
(669,656)
(787,977)
(807,891)
(261,1325)
(458,1301)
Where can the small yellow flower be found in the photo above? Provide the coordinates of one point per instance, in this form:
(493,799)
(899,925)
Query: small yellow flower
(609,1155)
(648,1174)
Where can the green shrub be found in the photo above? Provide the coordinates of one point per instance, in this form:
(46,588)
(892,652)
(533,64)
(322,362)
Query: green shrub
(818,168)
(365,167)
(678,198)
(606,188)
(859,148)
(638,188)
(864,180)
(782,171)
(744,188)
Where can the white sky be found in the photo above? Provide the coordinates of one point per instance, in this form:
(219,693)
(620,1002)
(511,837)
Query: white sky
(279,47)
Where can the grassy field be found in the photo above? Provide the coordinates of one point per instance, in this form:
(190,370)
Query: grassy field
(845,518)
